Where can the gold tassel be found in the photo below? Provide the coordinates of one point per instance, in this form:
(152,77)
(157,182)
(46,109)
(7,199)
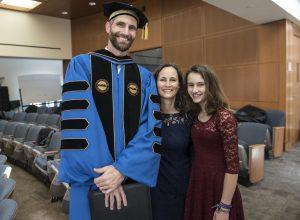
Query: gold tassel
(145,32)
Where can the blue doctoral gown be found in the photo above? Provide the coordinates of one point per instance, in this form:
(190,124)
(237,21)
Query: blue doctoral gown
(109,117)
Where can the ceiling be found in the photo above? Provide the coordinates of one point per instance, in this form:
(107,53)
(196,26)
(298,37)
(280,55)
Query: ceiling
(257,11)
(75,8)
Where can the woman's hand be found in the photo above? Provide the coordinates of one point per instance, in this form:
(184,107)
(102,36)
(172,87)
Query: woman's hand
(118,195)
(221,216)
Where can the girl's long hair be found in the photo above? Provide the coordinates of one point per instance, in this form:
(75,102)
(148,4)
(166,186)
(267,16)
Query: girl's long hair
(214,94)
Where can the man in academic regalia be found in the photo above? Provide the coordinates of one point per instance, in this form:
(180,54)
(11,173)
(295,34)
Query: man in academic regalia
(110,116)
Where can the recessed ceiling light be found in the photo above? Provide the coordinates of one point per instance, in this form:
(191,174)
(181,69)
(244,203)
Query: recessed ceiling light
(64,13)
(23,5)
(92,3)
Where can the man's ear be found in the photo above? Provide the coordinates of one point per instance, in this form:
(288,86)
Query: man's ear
(107,27)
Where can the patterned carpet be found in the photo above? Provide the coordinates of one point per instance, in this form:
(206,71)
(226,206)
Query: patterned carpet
(277,196)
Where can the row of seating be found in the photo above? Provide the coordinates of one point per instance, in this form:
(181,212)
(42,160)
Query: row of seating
(258,142)
(25,144)
(43,109)
(37,148)
(52,120)
(8,207)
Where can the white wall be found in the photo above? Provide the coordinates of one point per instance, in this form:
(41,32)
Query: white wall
(41,36)
(11,68)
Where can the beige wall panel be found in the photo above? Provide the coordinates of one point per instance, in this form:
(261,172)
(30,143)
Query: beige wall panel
(34,36)
(174,6)
(182,26)
(154,40)
(240,83)
(184,54)
(268,42)
(269,76)
(233,48)
(217,20)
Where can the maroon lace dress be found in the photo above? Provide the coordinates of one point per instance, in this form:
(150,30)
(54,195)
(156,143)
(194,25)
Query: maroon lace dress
(215,153)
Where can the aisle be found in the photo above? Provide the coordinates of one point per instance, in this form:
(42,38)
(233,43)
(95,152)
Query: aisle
(33,198)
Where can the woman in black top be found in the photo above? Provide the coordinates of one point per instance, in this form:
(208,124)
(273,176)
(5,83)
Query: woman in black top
(169,194)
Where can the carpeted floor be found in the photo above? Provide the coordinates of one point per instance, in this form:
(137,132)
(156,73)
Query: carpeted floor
(277,197)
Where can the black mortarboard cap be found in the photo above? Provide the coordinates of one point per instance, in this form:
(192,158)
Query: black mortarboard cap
(119,8)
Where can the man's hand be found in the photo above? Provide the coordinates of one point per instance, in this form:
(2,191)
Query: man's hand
(110,179)
(117,194)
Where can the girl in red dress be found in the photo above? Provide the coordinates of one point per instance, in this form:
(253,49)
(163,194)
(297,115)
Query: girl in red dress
(212,193)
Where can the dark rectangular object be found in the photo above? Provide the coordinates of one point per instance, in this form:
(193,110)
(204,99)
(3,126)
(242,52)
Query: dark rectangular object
(138,207)
(4,99)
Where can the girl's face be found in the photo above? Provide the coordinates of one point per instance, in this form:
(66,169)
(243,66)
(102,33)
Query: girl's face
(196,87)
(168,83)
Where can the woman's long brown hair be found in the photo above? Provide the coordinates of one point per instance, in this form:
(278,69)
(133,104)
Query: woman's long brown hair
(214,95)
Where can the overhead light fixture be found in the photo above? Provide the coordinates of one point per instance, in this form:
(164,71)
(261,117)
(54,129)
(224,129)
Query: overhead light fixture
(92,3)
(21,5)
(64,13)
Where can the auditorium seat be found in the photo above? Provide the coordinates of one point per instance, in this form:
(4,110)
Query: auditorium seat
(33,135)
(8,209)
(19,135)
(5,171)
(43,154)
(19,116)
(31,117)
(253,137)
(42,118)
(53,120)
(9,115)
(3,159)
(276,123)
(2,125)
(42,109)
(7,187)
(8,131)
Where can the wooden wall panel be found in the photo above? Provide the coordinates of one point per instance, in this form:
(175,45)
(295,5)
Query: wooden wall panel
(217,20)
(292,85)
(184,54)
(268,42)
(88,34)
(240,83)
(154,40)
(170,7)
(269,77)
(183,25)
(232,48)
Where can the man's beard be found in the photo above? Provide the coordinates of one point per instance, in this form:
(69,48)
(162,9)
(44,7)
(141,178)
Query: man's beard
(117,45)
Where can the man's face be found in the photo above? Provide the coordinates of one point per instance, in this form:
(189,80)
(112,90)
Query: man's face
(122,31)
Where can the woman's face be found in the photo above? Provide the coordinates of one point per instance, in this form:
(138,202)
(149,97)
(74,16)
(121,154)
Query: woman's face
(196,87)
(168,83)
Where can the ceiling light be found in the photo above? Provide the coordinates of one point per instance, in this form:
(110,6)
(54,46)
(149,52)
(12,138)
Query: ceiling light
(64,13)
(92,3)
(24,5)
